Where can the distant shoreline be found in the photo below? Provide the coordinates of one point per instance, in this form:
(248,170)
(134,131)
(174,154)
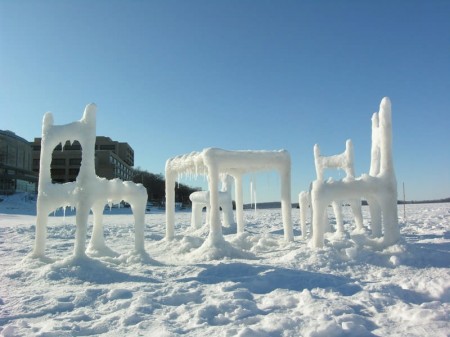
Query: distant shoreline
(277,204)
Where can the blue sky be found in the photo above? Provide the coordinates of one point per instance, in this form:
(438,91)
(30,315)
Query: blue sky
(171,77)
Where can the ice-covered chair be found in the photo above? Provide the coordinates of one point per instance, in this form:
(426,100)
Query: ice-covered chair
(343,161)
(379,187)
(88,192)
(201,199)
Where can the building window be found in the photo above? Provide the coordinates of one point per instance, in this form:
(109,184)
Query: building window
(58,172)
(3,153)
(58,162)
(12,156)
(108,147)
(74,171)
(20,158)
(76,146)
(75,161)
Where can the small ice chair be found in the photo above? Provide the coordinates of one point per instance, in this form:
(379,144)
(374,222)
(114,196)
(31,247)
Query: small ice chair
(343,161)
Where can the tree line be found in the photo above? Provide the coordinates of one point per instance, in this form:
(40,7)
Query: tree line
(156,187)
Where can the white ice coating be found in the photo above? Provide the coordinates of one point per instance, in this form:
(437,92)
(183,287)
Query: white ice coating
(343,161)
(379,187)
(88,192)
(213,162)
(201,199)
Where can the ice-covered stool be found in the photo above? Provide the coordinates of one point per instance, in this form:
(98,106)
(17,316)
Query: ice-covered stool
(201,199)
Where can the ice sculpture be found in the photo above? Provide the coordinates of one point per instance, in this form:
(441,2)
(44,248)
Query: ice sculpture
(213,162)
(88,192)
(201,199)
(379,187)
(343,161)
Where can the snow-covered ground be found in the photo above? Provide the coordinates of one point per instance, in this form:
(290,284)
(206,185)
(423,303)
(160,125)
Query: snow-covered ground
(267,288)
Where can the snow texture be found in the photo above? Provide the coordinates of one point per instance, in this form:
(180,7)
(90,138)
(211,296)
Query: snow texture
(88,192)
(213,162)
(345,289)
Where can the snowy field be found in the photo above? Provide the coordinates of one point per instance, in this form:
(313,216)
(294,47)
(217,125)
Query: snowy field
(269,288)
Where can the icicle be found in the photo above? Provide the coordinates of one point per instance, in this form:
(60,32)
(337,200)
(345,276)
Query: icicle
(254,199)
(251,193)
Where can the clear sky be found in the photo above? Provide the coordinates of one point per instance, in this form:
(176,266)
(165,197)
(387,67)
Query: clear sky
(171,77)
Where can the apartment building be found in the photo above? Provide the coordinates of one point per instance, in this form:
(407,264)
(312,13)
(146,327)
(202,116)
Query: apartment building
(16,173)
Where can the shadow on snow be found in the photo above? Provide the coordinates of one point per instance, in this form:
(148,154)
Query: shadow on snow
(89,270)
(265,279)
(427,254)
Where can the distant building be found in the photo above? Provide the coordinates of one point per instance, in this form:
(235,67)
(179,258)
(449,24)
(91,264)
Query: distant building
(16,173)
(112,160)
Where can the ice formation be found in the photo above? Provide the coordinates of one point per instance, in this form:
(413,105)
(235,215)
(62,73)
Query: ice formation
(88,192)
(201,199)
(343,161)
(379,187)
(213,162)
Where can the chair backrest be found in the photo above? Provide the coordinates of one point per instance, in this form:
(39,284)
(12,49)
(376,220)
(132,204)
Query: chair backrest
(52,135)
(381,151)
(343,161)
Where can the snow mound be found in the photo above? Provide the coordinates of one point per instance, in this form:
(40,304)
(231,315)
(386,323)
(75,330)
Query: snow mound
(218,249)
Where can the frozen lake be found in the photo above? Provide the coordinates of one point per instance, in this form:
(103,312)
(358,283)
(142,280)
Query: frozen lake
(270,288)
